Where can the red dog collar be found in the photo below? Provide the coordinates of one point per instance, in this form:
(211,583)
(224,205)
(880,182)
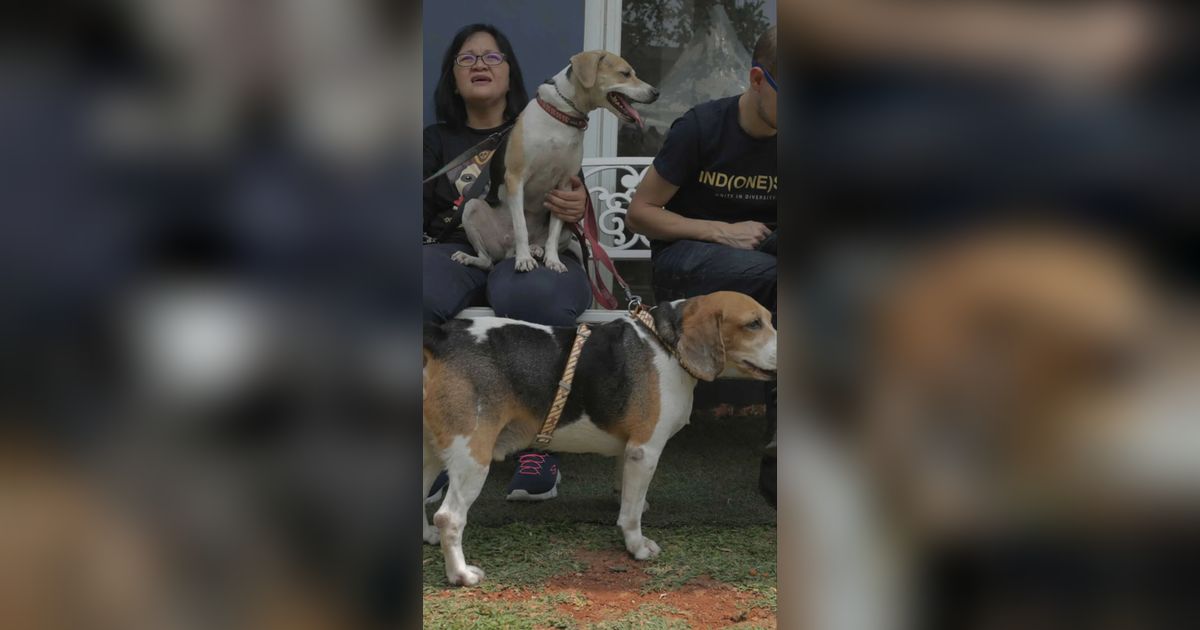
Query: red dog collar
(562,117)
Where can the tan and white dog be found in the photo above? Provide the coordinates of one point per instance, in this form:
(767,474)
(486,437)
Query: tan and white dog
(543,151)
(489,382)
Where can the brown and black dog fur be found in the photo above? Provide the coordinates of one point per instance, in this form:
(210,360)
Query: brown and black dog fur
(488,384)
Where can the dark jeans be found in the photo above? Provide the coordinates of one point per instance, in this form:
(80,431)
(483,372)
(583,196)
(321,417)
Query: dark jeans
(686,269)
(540,296)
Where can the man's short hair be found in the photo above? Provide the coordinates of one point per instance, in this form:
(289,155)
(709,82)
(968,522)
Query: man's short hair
(764,51)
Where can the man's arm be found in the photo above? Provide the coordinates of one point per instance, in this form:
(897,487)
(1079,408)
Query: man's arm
(648,216)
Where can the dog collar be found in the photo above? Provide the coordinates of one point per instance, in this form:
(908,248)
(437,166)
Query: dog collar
(563,117)
(642,314)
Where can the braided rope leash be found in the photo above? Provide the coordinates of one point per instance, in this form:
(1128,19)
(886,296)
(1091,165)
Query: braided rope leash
(564,386)
(642,314)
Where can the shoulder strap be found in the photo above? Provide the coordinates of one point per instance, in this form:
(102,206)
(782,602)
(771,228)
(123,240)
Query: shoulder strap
(476,188)
(489,142)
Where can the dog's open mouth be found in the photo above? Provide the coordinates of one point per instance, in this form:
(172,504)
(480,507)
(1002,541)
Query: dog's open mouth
(757,372)
(628,113)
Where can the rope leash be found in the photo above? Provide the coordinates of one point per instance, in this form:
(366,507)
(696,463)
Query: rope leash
(639,312)
(642,314)
(588,234)
(564,386)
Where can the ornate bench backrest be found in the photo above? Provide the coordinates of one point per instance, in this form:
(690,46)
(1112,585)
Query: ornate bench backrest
(612,182)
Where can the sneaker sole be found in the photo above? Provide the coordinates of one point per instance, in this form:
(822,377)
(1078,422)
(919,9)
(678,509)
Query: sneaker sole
(525,495)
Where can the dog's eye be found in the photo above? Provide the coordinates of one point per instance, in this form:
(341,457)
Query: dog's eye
(754,325)
(626,73)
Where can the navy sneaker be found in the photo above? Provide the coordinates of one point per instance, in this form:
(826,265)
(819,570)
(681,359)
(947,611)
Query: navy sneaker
(438,489)
(536,479)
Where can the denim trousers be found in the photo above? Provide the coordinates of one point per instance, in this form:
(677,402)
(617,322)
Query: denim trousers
(541,296)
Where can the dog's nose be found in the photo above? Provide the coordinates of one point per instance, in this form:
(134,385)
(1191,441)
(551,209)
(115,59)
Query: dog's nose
(653,94)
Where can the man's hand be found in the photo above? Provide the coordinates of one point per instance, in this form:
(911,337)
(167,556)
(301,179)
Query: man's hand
(568,205)
(743,235)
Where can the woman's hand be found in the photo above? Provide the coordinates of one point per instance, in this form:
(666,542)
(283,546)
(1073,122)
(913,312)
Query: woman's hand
(568,205)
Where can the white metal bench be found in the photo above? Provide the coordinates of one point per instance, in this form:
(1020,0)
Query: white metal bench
(611,182)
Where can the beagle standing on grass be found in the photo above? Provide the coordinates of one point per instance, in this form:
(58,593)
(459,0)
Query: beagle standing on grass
(489,383)
(543,151)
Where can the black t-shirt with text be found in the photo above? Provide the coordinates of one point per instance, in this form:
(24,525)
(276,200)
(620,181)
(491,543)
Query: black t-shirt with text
(723,173)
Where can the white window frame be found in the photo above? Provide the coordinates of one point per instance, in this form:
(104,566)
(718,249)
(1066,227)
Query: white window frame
(601,31)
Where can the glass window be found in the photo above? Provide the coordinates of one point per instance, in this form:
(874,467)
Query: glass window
(691,50)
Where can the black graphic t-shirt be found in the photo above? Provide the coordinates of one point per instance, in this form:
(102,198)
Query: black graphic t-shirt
(723,173)
(443,144)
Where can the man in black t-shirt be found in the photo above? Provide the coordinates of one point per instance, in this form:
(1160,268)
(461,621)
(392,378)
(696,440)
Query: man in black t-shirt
(708,201)
(708,206)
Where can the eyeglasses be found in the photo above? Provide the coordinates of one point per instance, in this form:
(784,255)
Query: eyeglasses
(770,79)
(467,60)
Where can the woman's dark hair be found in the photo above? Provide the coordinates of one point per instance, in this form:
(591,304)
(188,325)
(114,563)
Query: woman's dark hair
(449,105)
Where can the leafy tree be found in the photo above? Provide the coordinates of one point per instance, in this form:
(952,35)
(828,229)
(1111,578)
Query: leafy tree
(647,25)
(673,22)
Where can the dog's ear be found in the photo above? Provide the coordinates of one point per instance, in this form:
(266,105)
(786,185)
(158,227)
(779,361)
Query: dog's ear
(587,66)
(667,322)
(701,349)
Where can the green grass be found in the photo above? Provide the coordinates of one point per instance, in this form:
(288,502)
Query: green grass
(526,558)
(647,617)
(742,557)
(462,610)
(705,513)
(517,556)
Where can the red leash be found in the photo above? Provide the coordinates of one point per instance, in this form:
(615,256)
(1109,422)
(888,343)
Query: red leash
(589,235)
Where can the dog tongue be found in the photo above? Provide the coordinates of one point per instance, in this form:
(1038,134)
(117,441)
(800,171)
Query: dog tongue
(633,112)
(636,116)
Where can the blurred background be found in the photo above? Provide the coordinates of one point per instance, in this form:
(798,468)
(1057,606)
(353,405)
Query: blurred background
(991,292)
(210,371)
(209,409)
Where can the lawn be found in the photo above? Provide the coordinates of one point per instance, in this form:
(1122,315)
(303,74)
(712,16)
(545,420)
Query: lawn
(562,563)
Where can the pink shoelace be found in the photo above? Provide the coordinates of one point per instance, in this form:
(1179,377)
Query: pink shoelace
(531,464)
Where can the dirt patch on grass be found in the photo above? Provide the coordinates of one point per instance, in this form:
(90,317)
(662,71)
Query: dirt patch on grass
(607,570)
(612,586)
(610,592)
(711,605)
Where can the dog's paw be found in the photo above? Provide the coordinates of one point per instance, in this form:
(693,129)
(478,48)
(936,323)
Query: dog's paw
(644,549)
(537,251)
(470,576)
(463,258)
(556,265)
(431,536)
(526,264)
